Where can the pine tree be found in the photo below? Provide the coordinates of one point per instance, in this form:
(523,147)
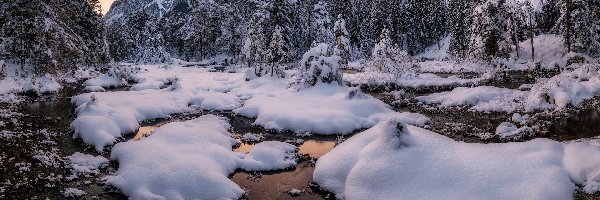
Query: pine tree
(459,22)
(578,26)
(488,39)
(342,42)
(254,43)
(321,24)
(381,53)
(277,52)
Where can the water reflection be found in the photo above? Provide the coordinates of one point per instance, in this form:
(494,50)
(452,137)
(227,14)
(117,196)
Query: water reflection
(144,131)
(313,148)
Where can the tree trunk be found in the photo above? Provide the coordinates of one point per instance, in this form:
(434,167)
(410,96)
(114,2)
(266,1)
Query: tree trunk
(531,35)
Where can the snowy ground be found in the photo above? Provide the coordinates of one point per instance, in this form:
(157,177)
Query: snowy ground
(380,160)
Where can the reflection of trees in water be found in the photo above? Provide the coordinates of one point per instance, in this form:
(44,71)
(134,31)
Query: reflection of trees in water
(583,124)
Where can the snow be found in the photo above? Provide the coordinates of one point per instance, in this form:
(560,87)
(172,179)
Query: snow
(295,192)
(436,52)
(49,85)
(396,161)
(101,121)
(558,92)
(323,109)
(83,164)
(451,66)
(420,81)
(106,81)
(188,160)
(191,160)
(482,98)
(103,117)
(270,155)
(521,119)
(549,50)
(251,137)
(73,193)
(94,89)
(509,130)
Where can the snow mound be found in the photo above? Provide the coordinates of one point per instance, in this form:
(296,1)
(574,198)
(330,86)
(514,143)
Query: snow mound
(103,117)
(251,137)
(105,81)
(569,88)
(49,85)
(83,164)
(191,160)
(508,130)
(73,193)
(323,109)
(181,160)
(270,155)
(396,161)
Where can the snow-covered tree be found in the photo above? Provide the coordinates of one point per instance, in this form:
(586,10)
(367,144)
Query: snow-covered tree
(388,58)
(321,24)
(487,34)
(458,22)
(317,66)
(381,53)
(52,36)
(580,30)
(277,53)
(342,42)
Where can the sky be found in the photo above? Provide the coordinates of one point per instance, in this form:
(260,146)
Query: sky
(105,5)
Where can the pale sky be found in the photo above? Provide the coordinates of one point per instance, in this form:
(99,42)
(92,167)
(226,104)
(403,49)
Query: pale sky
(105,5)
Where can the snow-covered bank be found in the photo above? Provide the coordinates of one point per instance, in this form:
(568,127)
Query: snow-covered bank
(322,109)
(191,160)
(425,80)
(102,117)
(105,116)
(9,87)
(558,92)
(396,161)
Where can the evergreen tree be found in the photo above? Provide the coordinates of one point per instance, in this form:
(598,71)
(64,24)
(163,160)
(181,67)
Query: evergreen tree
(578,26)
(488,39)
(321,24)
(342,42)
(458,22)
(277,52)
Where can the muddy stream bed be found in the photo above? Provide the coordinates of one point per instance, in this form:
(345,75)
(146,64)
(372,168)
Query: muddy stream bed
(41,125)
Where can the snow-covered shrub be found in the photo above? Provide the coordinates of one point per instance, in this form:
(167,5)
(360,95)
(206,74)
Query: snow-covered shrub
(388,58)
(317,66)
(570,88)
